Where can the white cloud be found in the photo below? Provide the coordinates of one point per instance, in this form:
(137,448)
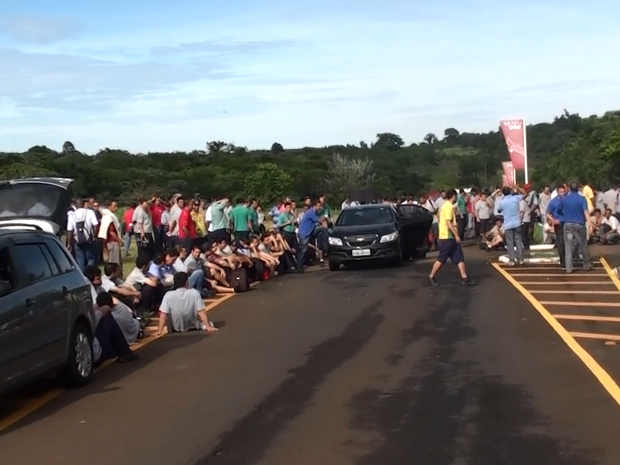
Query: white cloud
(39,29)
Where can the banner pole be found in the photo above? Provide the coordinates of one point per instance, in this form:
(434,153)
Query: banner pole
(525,151)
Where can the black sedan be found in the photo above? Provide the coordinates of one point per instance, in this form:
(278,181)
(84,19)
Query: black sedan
(379,232)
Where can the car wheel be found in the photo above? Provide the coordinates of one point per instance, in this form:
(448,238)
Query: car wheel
(333,266)
(80,365)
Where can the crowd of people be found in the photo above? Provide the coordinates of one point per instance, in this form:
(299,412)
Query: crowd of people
(187,250)
(571,216)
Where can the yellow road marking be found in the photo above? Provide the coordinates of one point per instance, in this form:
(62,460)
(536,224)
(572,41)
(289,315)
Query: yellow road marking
(607,319)
(597,370)
(611,273)
(565,283)
(557,275)
(31,405)
(570,291)
(580,304)
(600,337)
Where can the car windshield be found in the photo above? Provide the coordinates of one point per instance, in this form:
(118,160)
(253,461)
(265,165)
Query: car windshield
(365,216)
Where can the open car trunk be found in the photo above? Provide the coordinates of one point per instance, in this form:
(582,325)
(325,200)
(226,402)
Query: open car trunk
(417,222)
(35,203)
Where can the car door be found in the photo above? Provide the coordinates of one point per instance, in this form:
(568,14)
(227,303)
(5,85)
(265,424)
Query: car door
(49,308)
(17,324)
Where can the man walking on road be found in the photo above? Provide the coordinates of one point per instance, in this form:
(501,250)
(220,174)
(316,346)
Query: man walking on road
(554,214)
(576,226)
(513,215)
(449,242)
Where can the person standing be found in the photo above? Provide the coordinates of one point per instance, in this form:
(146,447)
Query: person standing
(554,214)
(143,228)
(482,213)
(543,203)
(529,205)
(241,220)
(577,226)
(510,207)
(449,242)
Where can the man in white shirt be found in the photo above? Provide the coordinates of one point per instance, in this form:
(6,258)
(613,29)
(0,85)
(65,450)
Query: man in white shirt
(612,233)
(610,199)
(81,225)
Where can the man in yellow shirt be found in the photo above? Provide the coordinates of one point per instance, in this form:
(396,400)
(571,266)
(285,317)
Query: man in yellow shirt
(588,193)
(449,242)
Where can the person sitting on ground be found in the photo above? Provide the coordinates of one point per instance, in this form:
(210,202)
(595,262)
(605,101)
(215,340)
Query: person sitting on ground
(270,262)
(215,275)
(612,228)
(212,255)
(109,341)
(275,244)
(183,308)
(596,220)
(151,291)
(123,315)
(196,278)
(162,267)
(494,239)
(111,282)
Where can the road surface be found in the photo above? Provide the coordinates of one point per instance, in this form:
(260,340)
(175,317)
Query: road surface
(362,367)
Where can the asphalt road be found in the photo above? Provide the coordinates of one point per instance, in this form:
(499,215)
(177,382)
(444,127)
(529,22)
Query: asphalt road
(364,367)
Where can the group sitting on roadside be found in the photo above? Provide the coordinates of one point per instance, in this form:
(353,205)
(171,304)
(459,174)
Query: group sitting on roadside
(188,252)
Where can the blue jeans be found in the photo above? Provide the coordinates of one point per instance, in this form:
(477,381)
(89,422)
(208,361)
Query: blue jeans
(322,236)
(576,235)
(301,250)
(513,239)
(196,280)
(85,255)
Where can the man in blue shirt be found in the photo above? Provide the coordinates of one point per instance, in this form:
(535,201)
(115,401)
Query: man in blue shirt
(509,207)
(554,214)
(306,229)
(576,226)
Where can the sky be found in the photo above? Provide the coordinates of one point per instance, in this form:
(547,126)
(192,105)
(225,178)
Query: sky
(163,76)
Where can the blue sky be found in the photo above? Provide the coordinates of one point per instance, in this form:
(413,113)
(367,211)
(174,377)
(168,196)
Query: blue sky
(162,75)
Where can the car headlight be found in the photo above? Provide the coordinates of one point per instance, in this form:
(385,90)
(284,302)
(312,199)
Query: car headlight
(334,241)
(390,237)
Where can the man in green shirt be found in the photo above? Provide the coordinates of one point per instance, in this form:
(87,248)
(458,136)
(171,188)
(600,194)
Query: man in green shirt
(325,210)
(240,218)
(219,220)
(286,225)
(254,216)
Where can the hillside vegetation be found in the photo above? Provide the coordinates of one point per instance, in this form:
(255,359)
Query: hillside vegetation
(571,147)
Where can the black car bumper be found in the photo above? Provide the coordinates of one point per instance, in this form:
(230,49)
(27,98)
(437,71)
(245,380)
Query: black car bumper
(379,251)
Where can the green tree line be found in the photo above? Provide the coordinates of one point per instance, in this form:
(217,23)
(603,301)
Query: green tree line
(570,147)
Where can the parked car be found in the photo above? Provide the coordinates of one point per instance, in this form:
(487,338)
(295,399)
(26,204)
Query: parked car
(379,232)
(46,308)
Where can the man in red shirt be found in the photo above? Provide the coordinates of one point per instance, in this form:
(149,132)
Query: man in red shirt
(127,216)
(187,227)
(157,209)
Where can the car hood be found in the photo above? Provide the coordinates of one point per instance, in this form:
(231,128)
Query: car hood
(37,203)
(378,229)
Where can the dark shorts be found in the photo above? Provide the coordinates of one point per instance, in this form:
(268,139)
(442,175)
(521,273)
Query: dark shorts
(220,235)
(242,236)
(450,249)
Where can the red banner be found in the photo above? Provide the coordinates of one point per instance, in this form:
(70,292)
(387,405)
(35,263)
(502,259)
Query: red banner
(514,135)
(508,178)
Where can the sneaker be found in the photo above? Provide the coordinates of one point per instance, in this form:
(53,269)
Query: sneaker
(509,264)
(433,282)
(468,282)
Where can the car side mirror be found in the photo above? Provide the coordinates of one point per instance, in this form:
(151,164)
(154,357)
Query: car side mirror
(5,288)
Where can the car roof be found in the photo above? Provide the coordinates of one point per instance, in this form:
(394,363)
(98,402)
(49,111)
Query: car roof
(369,206)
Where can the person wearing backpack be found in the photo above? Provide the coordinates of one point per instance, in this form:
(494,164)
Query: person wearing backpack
(81,225)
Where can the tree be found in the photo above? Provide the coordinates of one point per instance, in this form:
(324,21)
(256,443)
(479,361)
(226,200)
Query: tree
(276,148)
(451,135)
(215,146)
(267,183)
(68,147)
(389,141)
(431,138)
(345,175)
